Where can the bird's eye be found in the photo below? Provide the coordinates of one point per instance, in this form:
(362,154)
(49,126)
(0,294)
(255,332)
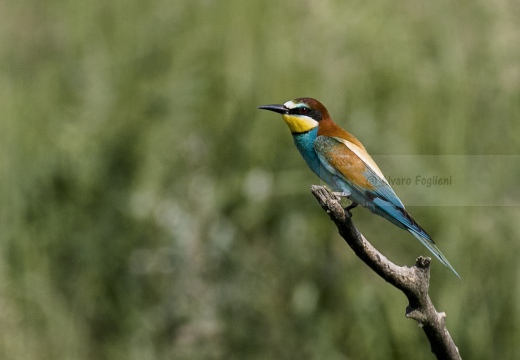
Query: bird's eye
(304,110)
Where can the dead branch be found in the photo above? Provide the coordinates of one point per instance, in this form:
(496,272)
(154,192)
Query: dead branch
(413,282)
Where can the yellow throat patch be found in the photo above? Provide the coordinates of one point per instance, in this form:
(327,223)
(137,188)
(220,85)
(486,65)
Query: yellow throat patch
(300,123)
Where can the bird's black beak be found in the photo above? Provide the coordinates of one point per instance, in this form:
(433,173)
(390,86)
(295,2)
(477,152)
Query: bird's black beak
(276,108)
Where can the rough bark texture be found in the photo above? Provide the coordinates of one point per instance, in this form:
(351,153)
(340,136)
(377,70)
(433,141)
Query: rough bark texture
(413,282)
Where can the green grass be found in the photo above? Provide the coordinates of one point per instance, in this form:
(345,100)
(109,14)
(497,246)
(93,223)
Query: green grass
(149,211)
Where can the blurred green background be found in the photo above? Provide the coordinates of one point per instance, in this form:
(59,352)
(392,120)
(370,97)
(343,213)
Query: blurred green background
(149,211)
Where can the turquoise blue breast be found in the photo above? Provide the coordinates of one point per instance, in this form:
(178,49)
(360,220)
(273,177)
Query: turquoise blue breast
(305,144)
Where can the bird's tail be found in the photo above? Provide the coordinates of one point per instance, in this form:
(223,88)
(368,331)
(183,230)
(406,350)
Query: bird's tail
(401,218)
(428,242)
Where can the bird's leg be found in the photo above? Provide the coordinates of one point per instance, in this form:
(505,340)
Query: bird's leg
(342,194)
(351,206)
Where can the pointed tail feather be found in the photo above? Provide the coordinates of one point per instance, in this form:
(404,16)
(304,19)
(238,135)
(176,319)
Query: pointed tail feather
(434,250)
(401,218)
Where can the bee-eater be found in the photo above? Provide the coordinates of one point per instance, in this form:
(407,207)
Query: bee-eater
(341,161)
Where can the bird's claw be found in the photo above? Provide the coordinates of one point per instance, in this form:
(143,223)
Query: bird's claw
(351,206)
(341,194)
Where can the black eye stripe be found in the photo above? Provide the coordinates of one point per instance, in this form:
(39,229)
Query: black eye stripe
(303,110)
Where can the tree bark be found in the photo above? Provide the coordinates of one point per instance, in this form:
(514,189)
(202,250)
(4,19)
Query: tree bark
(413,282)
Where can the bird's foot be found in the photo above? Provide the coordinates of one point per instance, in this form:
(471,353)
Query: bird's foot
(350,207)
(341,194)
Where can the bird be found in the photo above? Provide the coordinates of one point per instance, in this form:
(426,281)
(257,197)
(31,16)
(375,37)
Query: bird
(342,162)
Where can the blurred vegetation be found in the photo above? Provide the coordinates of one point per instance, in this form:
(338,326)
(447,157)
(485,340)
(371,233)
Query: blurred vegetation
(149,211)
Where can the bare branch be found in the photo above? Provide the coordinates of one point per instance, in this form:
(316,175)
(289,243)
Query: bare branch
(413,282)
